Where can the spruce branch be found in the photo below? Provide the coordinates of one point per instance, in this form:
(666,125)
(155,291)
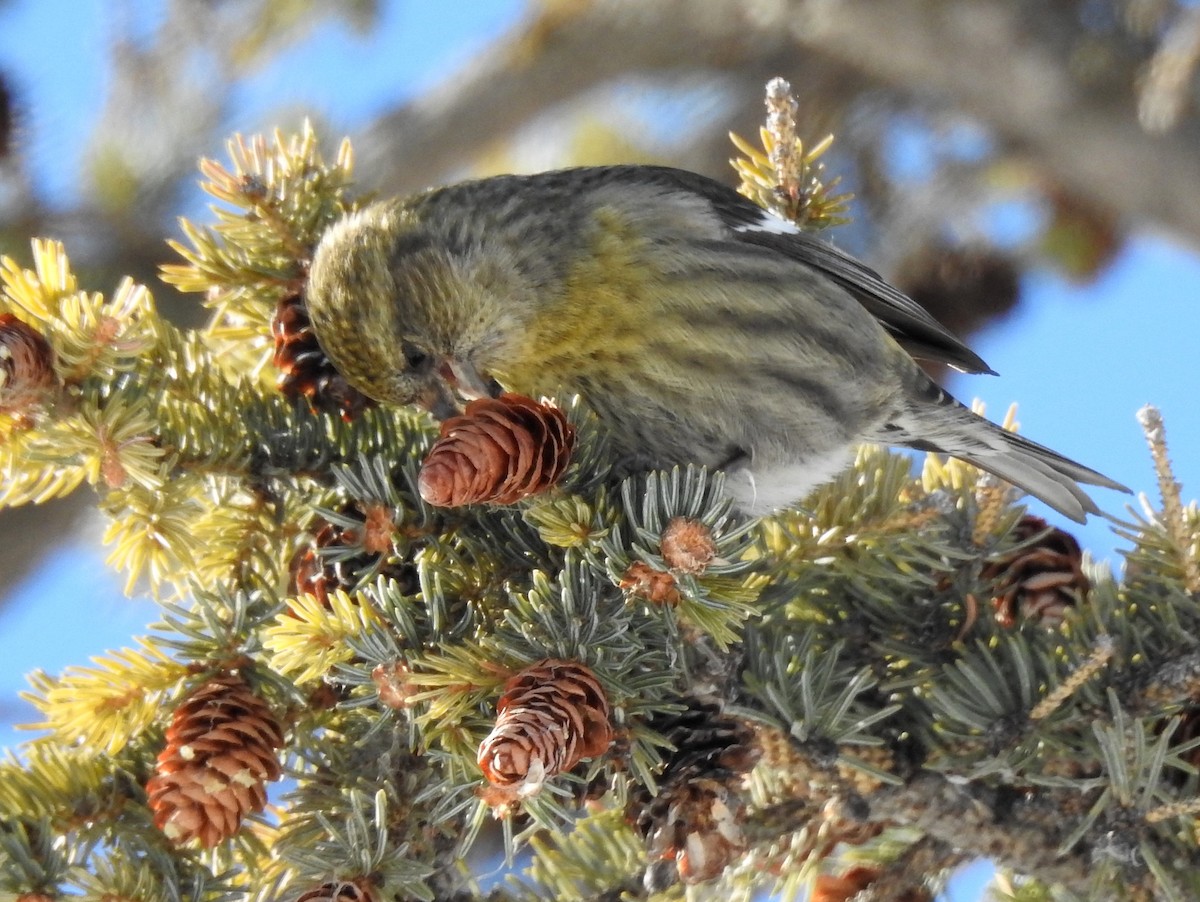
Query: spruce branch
(788,698)
(787,178)
(1024,835)
(1180,523)
(103,705)
(1102,654)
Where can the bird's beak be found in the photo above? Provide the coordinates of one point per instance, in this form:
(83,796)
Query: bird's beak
(439,399)
(454,382)
(467,380)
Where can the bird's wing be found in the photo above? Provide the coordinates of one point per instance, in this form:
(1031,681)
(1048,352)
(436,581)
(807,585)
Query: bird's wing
(906,320)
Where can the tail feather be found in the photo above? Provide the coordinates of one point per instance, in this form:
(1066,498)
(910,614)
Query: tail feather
(950,428)
(1045,475)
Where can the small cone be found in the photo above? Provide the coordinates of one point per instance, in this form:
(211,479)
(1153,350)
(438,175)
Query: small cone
(550,716)
(305,371)
(26,366)
(317,574)
(499,451)
(312,575)
(219,756)
(1039,583)
(695,819)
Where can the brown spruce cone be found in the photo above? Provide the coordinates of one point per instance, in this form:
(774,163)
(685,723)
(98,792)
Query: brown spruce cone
(339,891)
(304,369)
(1038,583)
(314,574)
(318,574)
(499,451)
(550,716)
(696,817)
(220,753)
(26,366)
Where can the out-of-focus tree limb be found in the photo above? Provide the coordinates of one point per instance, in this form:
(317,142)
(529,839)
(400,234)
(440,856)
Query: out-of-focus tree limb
(988,58)
(996,61)
(562,56)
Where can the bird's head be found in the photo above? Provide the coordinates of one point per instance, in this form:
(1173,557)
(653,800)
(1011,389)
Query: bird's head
(409,314)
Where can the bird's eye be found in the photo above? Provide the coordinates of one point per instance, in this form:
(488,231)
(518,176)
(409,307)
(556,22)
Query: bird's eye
(415,358)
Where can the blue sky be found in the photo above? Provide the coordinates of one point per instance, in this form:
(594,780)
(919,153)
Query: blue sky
(58,52)
(1080,360)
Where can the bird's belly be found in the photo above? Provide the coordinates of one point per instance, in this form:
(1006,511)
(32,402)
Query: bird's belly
(760,488)
(770,462)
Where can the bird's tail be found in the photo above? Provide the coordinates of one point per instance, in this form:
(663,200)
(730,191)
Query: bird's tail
(939,423)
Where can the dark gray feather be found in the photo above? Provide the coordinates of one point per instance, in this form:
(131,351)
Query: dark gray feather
(907,321)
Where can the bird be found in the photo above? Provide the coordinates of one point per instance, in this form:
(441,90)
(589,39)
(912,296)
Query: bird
(698,327)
